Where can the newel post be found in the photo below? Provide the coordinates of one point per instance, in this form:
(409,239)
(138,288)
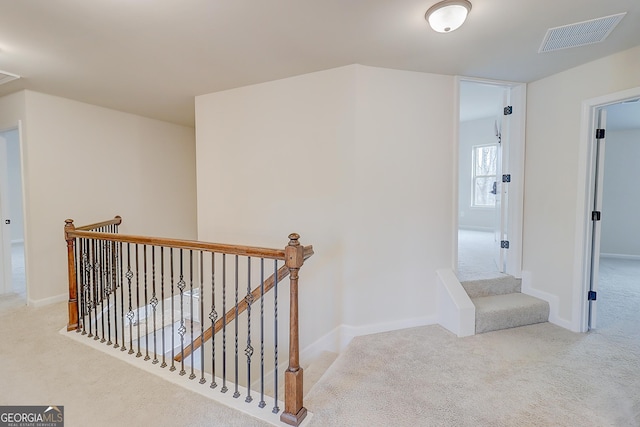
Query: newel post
(294,412)
(71,265)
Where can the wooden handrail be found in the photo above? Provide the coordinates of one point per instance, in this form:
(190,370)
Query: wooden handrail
(269,283)
(117,220)
(252,251)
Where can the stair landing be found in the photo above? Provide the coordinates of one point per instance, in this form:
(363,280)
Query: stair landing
(500,304)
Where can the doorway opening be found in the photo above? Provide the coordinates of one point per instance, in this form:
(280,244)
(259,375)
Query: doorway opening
(12,255)
(490,178)
(613,293)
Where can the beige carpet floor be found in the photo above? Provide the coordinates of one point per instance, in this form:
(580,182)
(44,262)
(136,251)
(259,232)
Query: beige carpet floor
(539,375)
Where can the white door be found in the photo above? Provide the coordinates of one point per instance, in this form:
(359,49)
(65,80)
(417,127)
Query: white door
(510,182)
(499,214)
(503,178)
(5,229)
(596,233)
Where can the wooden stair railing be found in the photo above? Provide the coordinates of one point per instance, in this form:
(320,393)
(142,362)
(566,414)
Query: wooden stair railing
(96,268)
(282,273)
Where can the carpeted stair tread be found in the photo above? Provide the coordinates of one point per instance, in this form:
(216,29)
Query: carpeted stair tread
(494,286)
(505,311)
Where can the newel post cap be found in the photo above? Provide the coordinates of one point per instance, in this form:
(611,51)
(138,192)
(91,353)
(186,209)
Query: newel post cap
(294,252)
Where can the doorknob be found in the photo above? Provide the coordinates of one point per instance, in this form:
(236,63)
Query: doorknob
(7,221)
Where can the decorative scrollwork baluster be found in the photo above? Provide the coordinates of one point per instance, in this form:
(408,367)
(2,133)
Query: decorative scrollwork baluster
(236,393)
(173,320)
(262,403)
(182,329)
(139,353)
(192,375)
(224,324)
(154,302)
(275,409)
(164,346)
(213,315)
(130,314)
(248,351)
(202,379)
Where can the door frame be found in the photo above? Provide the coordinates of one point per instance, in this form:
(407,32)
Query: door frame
(586,197)
(515,207)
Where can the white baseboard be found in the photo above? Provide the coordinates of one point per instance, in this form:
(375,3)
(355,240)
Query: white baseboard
(339,337)
(620,256)
(528,289)
(46,301)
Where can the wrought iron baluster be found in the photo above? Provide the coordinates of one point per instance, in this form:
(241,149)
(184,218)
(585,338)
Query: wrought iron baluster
(202,346)
(95,289)
(91,291)
(139,353)
(236,392)
(101,291)
(146,304)
(224,324)
(85,284)
(181,330)
(130,314)
(108,285)
(173,320)
(77,260)
(275,409)
(120,245)
(114,277)
(262,403)
(154,302)
(248,351)
(192,375)
(213,316)
(164,347)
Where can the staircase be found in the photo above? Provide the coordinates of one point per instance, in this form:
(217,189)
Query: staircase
(500,304)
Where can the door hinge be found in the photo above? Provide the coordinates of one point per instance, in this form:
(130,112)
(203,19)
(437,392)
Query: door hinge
(7,221)
(592,295)
(508,110)
(506,178)
(600,133)
(595,215)
(504,244)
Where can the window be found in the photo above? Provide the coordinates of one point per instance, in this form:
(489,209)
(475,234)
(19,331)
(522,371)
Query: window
(484,176)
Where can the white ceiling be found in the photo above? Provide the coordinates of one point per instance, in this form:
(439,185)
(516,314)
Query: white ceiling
(151,57)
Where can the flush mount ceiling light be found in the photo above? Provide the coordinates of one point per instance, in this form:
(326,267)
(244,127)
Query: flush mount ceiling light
(448,15)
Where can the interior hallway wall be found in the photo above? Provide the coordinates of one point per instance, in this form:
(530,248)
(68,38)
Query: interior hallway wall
(353,159)
(90,163)
(551,211)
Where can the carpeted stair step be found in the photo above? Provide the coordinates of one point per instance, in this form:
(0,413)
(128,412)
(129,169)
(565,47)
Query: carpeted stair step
(505,311)
(494,286)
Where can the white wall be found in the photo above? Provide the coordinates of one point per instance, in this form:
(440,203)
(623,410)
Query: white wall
(355,159)
(554,107)
(621,194)
(90,163)
(473,132)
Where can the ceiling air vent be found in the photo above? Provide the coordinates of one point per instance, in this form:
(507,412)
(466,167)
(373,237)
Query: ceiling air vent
(580,34)
(7,77)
